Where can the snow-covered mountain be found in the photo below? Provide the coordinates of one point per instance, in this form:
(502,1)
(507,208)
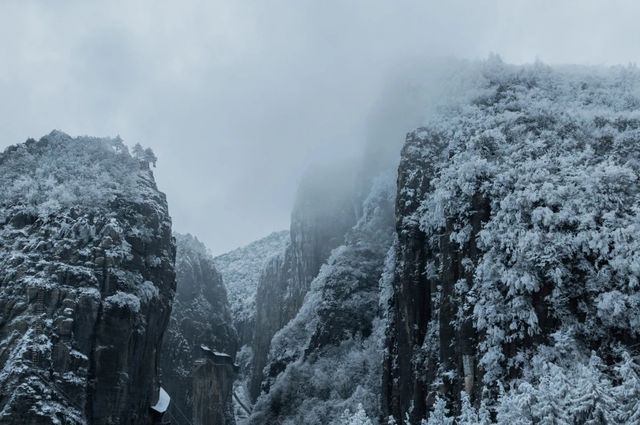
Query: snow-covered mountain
(507,288)
(515,285)
(328,358)
(86,282)
(240,270)
(323,213)
(490,278)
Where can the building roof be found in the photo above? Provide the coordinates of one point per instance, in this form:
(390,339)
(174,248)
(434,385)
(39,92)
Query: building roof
(218,358)
(163,401)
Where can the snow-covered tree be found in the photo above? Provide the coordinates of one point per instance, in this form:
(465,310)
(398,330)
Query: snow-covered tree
(82,170)
(628,392)
(359,417)
(550,406)
(592,402)
(468,414)
(440,414)
(515,406)
(484,415)
(138,152)
(150,156)
(144,155)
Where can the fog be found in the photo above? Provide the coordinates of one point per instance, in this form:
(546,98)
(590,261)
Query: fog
(238,98)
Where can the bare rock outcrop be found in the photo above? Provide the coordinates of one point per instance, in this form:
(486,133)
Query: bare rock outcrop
(200,317)
(324,211)
(86,282)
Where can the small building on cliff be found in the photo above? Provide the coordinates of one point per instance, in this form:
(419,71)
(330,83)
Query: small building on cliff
(157,411)
(213,377)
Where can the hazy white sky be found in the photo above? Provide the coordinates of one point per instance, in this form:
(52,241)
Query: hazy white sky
(238,97)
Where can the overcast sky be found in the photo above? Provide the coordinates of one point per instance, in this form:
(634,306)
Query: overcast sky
(238,97)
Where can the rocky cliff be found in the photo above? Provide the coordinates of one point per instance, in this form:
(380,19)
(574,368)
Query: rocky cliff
(200,316)
(241,270)
(328,358)
(515,276)
(86,282)
(325,210)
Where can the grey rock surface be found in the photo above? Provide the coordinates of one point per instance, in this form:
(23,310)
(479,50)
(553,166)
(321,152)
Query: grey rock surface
(86,282)
(200,316)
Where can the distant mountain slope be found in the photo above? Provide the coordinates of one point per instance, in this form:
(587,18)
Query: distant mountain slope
(86,282)
(328,358)
(240,270)
(324,211)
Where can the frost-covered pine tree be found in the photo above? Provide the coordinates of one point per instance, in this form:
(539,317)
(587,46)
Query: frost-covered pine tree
(592,402)
(468,414)
(144,155)
(484,416)
(138,152)
(550,406)
(440,414)
(628,392)
(150,156)
(514,407)
(359,417)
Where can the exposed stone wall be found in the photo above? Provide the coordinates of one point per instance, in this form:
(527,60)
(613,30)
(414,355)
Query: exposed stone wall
(85,297)
(212,391)
(423,334)
(200,316)
(323,214)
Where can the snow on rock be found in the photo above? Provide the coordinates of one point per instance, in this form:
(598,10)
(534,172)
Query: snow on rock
(517,271)
(124,300)
(240,270)
(201,319)
(327,359)
(323,213)
(78,344)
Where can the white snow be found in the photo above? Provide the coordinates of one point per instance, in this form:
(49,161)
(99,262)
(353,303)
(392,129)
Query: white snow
(124,299)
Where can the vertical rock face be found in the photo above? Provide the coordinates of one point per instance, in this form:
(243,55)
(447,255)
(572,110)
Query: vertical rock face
(327,359)
(86,282)
(241,270)
(200,316)
(213,378)
(324,212)
(424,303)
(508,252)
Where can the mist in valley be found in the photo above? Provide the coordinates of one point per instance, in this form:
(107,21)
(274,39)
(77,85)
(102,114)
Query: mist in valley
(319,212)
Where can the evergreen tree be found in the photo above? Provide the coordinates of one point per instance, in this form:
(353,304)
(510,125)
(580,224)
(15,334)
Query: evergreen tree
(144,155)
(150,156)
(628,392)
(484,416)
(359,417)
(468,414)
(550,407)
(138,152)
(592,402)
(514,407)
(440,414)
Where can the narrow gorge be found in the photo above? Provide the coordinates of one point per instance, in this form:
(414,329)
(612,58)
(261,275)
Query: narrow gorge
(482,269)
